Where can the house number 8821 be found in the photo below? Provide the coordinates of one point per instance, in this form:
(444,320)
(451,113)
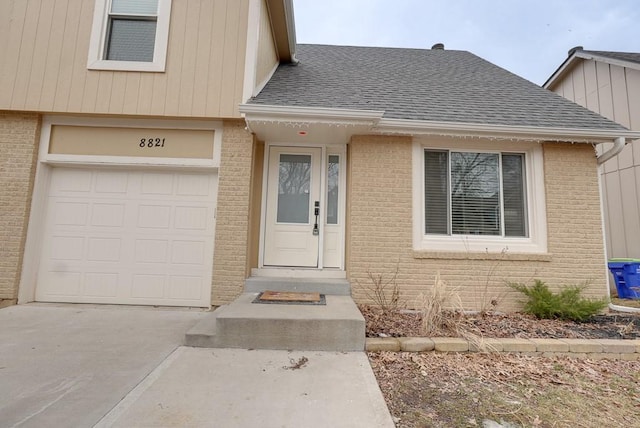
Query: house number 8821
(151,142)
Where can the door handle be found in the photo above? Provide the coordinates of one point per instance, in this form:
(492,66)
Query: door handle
(316,211)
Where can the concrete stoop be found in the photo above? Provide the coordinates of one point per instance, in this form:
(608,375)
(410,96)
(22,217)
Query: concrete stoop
(336,326)
(256,284)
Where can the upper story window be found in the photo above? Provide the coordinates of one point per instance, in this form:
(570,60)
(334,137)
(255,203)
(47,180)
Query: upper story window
(129,35)
(479,196)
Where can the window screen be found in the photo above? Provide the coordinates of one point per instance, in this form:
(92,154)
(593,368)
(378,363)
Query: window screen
(132,30)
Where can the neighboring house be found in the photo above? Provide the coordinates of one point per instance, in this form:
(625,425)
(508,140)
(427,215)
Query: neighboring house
(608,83)
(144,161)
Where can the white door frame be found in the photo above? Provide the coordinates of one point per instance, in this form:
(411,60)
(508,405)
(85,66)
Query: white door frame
(326,150)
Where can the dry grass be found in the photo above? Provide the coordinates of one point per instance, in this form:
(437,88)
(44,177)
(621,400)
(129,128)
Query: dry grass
(438,307)
(465,390)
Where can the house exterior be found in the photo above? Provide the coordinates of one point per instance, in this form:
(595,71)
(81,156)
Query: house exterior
(164,152)
(608,83)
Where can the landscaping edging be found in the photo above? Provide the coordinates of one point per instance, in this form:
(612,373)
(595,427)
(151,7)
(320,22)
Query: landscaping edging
(595,349)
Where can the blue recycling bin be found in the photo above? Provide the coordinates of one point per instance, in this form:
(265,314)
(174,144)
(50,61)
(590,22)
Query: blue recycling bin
(626,273)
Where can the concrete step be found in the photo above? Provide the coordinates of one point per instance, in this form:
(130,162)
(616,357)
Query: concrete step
(336,326)
(339,287)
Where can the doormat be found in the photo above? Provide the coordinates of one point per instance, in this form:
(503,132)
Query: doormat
(290,298)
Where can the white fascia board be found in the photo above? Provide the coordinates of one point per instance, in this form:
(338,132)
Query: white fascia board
(411,127)
(569,63)
(291,28)
(560,71)
(286,114)
(608,60)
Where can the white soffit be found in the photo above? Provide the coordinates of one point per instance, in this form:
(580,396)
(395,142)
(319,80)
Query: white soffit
(307,124)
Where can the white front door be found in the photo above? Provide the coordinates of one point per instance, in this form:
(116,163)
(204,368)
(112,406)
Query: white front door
(292,220)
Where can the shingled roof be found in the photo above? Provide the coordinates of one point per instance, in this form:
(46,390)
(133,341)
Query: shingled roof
(621,56)
(423,85)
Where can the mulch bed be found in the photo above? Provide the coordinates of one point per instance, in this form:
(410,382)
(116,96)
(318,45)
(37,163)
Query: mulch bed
(403,323)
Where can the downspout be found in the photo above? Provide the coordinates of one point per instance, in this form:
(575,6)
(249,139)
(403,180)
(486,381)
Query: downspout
(618,145)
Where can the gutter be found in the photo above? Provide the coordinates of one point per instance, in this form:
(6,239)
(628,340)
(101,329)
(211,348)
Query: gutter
(552,134)
(618,146)
(291,29)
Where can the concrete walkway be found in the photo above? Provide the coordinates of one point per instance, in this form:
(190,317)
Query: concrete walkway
(198,387)
(82,365)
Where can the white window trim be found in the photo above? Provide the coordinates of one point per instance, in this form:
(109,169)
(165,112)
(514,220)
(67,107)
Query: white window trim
(99,31)
(536,202)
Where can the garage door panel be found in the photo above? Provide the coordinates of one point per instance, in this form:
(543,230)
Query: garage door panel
(148,286)
(185,287)
(107,214)
(188,252)
(104,249)
(151,250)
(157,184)
(111,182)
(73,182)
(67,248)
(71,213)
(154,216)
(110,245)
(66,283)
(193,185)
(194,218)
(97,284)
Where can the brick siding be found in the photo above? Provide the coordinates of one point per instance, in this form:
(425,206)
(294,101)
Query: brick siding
(19,138)
(380,230)
(232,222)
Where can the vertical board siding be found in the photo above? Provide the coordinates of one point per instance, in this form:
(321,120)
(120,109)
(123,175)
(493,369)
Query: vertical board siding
(267,55)
(614,92)
(44,62)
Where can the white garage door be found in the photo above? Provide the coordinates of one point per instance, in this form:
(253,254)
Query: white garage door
(128,237)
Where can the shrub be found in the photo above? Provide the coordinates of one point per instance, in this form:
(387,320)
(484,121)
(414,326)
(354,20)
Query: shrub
(383,291)
(566,305)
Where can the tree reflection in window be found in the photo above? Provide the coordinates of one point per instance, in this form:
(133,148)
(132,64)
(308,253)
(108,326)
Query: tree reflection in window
(333,170)
(294,183)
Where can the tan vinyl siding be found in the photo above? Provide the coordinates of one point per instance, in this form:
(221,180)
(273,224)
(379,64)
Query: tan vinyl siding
(19,136)
(614,92)
(44,66)
(380,229)
(267,55)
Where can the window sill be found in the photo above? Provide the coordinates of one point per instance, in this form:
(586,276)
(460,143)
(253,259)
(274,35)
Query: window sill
(154,67)
(463,255)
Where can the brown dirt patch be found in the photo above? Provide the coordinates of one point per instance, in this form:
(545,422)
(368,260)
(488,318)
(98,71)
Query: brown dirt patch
(401,323)
(470,390)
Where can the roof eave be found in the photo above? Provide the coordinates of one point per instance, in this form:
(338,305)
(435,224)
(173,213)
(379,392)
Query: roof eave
(574,58)
(284,29)
(374,122)
(586,135)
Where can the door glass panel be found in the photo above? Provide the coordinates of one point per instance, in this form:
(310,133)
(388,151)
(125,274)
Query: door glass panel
(294,182)
(332,189)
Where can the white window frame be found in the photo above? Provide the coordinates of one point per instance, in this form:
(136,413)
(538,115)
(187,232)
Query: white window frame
(536,242)
(97,44)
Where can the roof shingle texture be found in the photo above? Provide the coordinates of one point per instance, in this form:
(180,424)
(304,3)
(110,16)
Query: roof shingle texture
(419,84)
(622,56)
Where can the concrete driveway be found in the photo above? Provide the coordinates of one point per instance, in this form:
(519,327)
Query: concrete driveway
(108,366)
(69,365)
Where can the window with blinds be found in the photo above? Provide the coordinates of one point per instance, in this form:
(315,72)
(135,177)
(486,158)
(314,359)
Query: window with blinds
(469,193)
(131,30)
(129,35)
